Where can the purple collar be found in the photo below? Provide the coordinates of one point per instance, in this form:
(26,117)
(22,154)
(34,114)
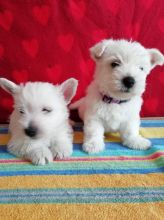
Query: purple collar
(109,100)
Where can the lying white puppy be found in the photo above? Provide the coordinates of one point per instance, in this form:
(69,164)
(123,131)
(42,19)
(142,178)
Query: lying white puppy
(39,125)
(114,98)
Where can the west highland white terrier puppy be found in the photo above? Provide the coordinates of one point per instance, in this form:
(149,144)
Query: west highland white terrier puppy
(39,125)
(114,97)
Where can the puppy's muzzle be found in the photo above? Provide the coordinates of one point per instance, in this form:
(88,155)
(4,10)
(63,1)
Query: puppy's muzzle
(128,82)
(31,131)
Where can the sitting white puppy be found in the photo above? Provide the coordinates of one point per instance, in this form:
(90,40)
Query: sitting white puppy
(39,125)
(114,98)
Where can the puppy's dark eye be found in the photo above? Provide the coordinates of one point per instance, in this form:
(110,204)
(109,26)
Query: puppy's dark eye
(141,68)
(21,111)
(46,110)
(115,64)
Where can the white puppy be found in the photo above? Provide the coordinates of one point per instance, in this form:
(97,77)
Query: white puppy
(114,98)
(39,125)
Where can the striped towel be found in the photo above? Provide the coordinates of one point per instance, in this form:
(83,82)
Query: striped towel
(118,183)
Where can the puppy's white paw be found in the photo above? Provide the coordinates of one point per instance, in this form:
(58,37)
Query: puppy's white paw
(93,146)
(41,157)
(138,143)
(61,153)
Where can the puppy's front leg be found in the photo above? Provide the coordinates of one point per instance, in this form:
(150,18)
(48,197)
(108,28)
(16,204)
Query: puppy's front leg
(131,138)
(40,156)
(36,152)
(93,136)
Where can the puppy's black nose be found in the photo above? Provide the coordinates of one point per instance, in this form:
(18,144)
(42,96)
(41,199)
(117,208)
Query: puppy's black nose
(30,131)
(128,82)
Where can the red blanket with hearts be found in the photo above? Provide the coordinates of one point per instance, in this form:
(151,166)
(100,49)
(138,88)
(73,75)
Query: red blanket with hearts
(48,40)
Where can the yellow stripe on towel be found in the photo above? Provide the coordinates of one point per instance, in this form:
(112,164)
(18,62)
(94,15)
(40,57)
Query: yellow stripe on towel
(82,181)
(4,138)
(114,137)
(152,132)
(112,211)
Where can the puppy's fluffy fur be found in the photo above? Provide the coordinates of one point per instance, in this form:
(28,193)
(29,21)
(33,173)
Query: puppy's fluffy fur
(39,125)
(116,60)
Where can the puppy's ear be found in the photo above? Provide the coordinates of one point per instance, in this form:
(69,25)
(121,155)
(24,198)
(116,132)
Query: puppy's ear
(156,57)
(8,86)
(68,89)
(98,50)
